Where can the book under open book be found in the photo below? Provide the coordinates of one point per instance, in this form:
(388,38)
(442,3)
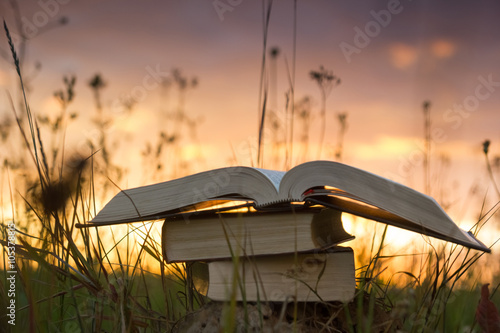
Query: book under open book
(304,277)
(309,185)
(208,237)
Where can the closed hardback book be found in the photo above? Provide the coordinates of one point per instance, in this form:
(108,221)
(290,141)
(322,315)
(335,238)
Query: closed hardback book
(225,235)
(303,277)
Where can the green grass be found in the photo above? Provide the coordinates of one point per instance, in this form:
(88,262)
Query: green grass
(69,307)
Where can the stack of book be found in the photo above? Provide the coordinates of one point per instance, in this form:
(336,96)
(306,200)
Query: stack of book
(276,234)
(274,256)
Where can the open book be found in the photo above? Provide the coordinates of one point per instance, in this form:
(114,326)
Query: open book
(325,183)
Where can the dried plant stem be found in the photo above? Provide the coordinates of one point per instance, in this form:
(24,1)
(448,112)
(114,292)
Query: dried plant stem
(486,145)
(490,173)
(427,140)
(31,122)
(342,118)
(292,83)
(323,123)
(266,15)
(326,81)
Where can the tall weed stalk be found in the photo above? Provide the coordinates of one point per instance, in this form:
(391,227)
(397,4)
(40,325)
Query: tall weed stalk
(71,279)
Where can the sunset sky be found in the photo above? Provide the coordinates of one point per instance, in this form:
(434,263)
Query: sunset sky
(391,56)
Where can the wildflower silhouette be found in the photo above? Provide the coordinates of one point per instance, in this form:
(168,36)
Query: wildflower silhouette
(326,82)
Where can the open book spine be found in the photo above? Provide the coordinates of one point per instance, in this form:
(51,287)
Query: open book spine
(277,202)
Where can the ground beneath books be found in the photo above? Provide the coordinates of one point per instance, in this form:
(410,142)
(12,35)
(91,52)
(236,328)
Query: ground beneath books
(276,317)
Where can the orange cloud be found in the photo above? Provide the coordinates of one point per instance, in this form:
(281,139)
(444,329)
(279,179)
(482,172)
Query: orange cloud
(386,147)
(51,106)
(135,122)
(403,55)
(443,48)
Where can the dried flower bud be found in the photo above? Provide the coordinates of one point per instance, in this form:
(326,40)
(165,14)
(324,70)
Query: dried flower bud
(486,146)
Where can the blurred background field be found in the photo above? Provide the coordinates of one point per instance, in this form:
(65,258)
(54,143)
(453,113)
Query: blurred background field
(115,96)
